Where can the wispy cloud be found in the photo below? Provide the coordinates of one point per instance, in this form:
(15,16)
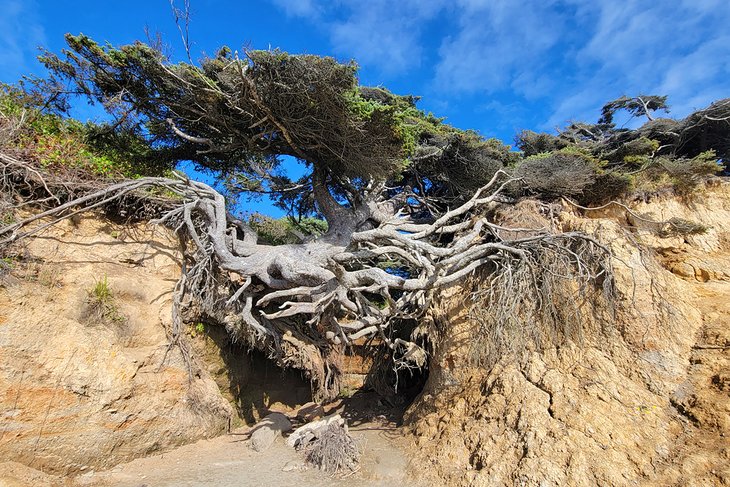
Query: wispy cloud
(500,45)
(20,36)
(375,33)
(679,49)
(562,58)
(299,8)
(382,34)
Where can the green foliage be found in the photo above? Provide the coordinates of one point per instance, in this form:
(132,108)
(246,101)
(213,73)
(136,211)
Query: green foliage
(236,113)
(7,217)
(662,154)
(682,175)
(451,164)
(6,264)
(686,174)
(101,303)
(347,391)
(237,116)
(58,142)
(101,291)
(567,172)
(633,154)
(195,329)
(609,185)
(408,123)
(533,143)
(286,230)
(681,227)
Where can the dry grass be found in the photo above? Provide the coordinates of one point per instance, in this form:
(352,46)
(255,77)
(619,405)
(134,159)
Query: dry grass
(101,306)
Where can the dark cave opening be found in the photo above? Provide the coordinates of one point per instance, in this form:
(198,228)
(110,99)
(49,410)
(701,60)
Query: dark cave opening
(372,388)
(252,382)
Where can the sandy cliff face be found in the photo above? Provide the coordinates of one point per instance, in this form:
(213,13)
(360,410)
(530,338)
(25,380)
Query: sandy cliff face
(644,400)
(78,392)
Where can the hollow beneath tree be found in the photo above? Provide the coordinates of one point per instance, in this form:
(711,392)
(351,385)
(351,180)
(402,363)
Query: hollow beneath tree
(248,379)
(255,385)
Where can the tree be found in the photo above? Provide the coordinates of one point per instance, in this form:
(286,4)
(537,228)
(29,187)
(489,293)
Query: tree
(406,198)
(642,105)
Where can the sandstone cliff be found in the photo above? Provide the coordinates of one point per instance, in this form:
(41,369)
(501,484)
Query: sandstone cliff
(643,400)
(81,391)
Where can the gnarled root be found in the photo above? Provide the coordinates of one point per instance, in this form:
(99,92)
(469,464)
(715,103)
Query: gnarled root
(304,303)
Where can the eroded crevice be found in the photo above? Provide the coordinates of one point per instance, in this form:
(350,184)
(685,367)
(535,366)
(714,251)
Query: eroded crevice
(247,378)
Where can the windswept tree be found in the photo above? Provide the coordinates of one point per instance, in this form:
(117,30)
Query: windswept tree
(637,106)
(408,200)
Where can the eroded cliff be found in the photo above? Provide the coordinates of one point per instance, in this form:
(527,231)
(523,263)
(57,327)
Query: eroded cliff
(83,388)
(641,400)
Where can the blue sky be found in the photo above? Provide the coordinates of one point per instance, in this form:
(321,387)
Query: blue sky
(497,66)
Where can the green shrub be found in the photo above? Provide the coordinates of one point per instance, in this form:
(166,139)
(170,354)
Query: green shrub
(680,227)
(608,186)
(59,142)
(286,230)
(557,173)
(101,304)
(533,143)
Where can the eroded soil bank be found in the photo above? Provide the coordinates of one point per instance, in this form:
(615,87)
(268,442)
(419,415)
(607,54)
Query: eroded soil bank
(643,399)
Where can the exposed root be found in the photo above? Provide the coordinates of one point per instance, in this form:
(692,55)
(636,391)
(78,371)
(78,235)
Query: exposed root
(304,302)
(334,450)
(543,299)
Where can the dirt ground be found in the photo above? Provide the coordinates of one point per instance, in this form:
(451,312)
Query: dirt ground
(229,461)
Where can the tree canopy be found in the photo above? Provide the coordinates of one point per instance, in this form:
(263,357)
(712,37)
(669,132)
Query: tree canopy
(238,114)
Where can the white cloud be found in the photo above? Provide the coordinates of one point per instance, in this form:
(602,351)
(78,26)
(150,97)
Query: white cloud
(565,58)
(498,44)
(378,33)
(374,39)
(299,8)
(382,33)
(20,36)
(677,49)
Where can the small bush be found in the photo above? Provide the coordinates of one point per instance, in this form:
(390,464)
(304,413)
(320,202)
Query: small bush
(686,174)
(58,142)
(101,305)
(533,143)
(7,264)
(608,186)
(557,174)
(681,175)
(101,292)
(632,152)
(42,273)
(196,329)
(680,227)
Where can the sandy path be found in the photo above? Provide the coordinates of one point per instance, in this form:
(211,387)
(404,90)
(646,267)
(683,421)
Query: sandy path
(228,461)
